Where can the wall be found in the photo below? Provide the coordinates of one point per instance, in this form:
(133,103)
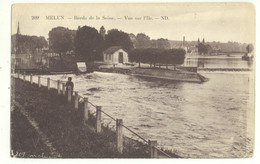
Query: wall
(115,57)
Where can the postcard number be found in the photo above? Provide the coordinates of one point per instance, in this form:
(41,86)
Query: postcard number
(35,17)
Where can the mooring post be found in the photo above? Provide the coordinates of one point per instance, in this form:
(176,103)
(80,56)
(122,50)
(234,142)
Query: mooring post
(39,81)
(76,100)
(153,150)
(31,78)
(48,83)
(69,93)
(119,138)
(86,108)
(18,74)
(24,76)
(98,119)
(63,89)
(58,86)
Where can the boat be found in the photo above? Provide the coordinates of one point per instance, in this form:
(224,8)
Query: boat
(248,57)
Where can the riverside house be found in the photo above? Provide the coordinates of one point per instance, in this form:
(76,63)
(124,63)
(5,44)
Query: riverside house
(115,55)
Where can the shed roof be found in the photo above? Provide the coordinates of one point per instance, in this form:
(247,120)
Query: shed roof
(112,49)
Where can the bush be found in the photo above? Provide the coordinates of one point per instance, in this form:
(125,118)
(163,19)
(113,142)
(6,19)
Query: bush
(153,55)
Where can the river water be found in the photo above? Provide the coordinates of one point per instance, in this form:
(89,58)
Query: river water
(212,119)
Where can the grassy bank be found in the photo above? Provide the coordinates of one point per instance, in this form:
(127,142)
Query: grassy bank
(25,141)
(63,126)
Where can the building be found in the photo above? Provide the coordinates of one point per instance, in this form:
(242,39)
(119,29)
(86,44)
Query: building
(23,62)
(115,55)
(102,32)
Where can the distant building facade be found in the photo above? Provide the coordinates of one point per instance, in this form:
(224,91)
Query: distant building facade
(115,55)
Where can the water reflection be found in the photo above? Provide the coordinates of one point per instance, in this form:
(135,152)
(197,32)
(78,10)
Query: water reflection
(232,61)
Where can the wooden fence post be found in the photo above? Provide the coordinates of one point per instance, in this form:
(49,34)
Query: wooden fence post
(58,86)
(119,138)
(86,108)
(31,78)
(39,81)
(18,74)
(48,83)
(76,101)
(24,76)
(98,119)
(69,93)
(63,89)
(153,150)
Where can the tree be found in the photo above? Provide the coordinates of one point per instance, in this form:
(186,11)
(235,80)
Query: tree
(88,44)
(118,38)
(154,43)
(163,43)
(38,42)
(61,40)
(160,43)
(142,41)
(133,39)
(249,48)
(204,48)
(155,55)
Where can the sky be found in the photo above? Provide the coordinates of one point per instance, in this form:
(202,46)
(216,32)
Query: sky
(214,22)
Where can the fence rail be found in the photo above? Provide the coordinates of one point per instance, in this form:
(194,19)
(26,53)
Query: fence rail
(119,122)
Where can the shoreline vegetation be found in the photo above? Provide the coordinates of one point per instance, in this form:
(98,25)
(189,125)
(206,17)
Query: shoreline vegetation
(45,125)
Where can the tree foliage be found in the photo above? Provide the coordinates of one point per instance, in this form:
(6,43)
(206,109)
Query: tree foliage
(142,41)
(118,38)
(88,44)
(162,43)
(61,40)
(204,48)
(154,55)
(249,48)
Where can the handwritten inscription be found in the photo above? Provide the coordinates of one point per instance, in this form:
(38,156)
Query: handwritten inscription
(24,154)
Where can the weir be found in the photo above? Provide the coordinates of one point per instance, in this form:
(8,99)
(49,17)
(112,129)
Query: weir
(225,69)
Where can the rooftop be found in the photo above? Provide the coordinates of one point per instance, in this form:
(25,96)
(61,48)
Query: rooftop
(112,49)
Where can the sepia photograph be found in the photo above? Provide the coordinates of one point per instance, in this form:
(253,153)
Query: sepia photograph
(165,80)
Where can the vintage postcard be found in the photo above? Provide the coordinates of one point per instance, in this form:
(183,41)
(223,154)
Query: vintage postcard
(133,80)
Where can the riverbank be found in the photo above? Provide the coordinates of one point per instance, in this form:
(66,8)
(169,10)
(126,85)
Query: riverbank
(45,125)
(160,73)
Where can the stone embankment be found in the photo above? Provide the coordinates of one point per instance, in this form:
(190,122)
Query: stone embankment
(176,75)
